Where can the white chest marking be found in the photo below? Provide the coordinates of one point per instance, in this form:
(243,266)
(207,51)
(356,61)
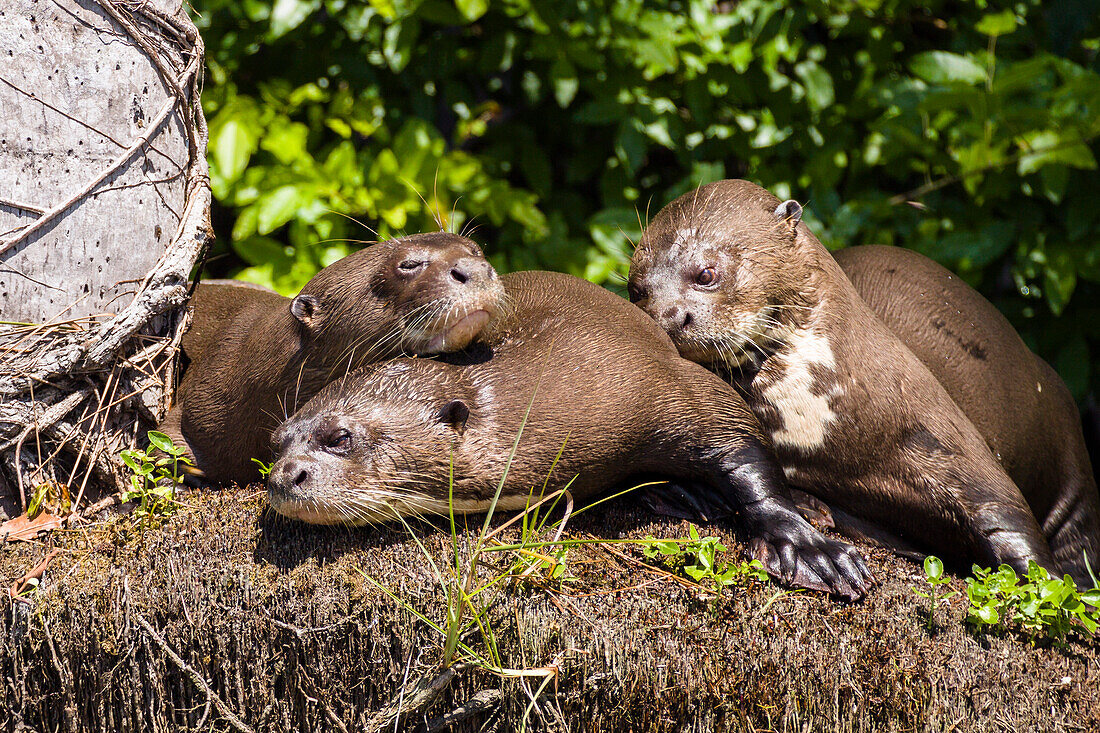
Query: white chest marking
(806,416)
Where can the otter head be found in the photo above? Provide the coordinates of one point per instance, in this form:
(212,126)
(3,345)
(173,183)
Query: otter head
(422,294)
(719,269)
(373,446)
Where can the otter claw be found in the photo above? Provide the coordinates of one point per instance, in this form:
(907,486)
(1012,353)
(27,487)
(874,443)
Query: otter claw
(822,564)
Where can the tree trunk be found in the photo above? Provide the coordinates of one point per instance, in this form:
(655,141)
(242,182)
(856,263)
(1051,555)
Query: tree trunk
(104,210)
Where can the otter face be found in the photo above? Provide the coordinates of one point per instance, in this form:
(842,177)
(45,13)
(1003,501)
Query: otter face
(423,294)
(716,270)
(372,447)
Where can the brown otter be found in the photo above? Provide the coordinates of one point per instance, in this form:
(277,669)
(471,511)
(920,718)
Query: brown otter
(422,294)
(381,442)
(1017,402)
(740,284)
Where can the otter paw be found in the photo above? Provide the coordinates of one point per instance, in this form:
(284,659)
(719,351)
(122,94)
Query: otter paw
(805,559)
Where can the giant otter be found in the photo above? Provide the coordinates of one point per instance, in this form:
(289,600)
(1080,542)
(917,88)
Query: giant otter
(381,442)
(856,419)
(1017,402)
(422,294)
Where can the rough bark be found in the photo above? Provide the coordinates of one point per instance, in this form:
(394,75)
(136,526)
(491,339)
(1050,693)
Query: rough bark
(104,210)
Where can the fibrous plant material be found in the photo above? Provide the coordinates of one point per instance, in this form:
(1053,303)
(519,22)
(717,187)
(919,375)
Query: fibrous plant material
(104,211)
(255,622)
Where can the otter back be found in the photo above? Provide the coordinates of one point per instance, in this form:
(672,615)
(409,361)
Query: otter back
(1015,399)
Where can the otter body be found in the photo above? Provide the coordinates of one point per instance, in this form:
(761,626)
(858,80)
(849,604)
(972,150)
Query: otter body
(1015,399)
(214,303)
(255,355)
(857,420)
(601,380)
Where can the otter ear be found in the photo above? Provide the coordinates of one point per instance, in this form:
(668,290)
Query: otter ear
(303,307)
(790,211)
(455,414)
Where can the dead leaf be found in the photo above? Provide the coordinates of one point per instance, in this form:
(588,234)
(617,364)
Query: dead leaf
(36,572)
(24,528)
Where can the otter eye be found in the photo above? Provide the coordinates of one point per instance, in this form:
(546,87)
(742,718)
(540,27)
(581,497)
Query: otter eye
(340,441)
(706,277)
(410,265)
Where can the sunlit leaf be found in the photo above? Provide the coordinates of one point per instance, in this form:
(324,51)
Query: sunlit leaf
(941,67)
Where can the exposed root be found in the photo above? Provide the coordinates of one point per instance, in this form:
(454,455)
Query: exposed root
(195,677)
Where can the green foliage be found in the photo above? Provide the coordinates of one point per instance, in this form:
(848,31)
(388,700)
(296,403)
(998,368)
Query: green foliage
(154,476)
(697,557)
(1038,605)
(967,131)
(264,468)
(933,574)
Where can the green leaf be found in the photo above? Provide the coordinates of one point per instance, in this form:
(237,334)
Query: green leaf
(668,548)
(1051,147)
(818,83)
(398,41)
(161,441)
(933,567)
(997,24)
(564,79)
(1059,282)
(129,459)
(35,503)
(277,208)
(987,615)
(287,141)
(261,250)
(943,67)
(233,147)
(286,15)
(473,9)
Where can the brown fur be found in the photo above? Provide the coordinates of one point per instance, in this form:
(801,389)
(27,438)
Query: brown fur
(855,417)
(1015,399)
(256,355)
(601,381)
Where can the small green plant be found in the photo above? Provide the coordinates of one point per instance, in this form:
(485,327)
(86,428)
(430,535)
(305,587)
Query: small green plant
(933,573)
(154,477)
(50,494)
(697,557)
(265,468)
(1039,605)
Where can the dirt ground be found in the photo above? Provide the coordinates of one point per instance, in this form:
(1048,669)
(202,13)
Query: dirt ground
(227,617)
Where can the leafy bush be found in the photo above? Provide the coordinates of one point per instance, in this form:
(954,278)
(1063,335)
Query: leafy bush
(1038,605)
(964,130)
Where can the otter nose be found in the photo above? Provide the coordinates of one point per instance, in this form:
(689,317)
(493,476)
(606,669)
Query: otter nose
(676,319)
(472,270)
(288,478)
